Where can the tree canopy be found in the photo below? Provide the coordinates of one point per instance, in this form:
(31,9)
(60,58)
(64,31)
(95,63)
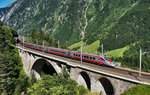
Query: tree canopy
(59,84)
(10,62)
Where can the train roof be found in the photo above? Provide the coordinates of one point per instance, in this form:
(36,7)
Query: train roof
(87,53)
(58,48)
(53,47)
(70,50)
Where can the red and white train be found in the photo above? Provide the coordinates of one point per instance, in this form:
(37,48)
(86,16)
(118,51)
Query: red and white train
(97,59)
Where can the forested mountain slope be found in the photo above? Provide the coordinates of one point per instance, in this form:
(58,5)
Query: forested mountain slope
(116,23)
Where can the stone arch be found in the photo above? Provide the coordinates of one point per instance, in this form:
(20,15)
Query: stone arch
(84,79)
(44,66)
(107,85)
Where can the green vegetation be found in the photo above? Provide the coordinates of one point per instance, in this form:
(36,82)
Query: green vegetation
(117,52)
(132,27)
(116,24)
(131,56)
(21,83)
(40,37)
(92,48)
(138,90)
(76,45)
(10,62)
(59,84)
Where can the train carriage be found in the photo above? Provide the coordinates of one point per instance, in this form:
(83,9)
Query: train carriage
(98,59)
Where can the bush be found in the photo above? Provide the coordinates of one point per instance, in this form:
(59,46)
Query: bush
(138,90)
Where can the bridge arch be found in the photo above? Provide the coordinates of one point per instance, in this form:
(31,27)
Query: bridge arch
(84,79)
(107,85)
(44,66)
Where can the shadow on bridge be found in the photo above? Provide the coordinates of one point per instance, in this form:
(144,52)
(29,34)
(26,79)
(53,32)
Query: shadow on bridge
(42,66)
(107,86)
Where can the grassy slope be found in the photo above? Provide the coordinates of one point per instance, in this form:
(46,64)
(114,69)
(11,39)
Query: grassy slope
(117,52)
(76,45)
(138,90)
(93,48)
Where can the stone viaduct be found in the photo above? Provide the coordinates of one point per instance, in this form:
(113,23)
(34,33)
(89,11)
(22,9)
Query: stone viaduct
(94,80)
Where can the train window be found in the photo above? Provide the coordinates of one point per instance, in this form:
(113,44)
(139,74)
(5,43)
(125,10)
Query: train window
(62,52)
(102,59)
(93,58)
(106,58)
(90,57)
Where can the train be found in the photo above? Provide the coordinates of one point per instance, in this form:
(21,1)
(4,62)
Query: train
(92,58)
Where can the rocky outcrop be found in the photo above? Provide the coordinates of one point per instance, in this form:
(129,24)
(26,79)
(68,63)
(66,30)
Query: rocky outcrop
(4,11)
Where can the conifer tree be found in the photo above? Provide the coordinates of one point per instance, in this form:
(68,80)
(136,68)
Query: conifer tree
(10,63)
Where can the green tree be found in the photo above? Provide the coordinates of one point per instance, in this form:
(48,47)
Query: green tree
(41,35)
(59,84)
(10,62)
(33,34)
(21,83)
(1,23)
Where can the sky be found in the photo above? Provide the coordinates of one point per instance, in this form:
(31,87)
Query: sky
(4,3)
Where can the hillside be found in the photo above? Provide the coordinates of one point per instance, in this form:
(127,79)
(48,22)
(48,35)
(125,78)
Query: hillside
(70,21)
